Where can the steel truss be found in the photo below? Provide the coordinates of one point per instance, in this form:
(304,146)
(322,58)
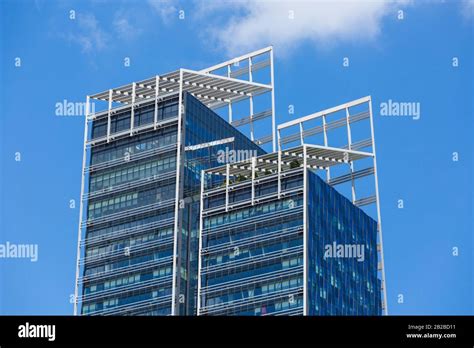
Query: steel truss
(317,157)
(208,86)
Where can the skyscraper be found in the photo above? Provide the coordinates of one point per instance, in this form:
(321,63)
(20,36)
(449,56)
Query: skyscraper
(184,212)
(278,239)
(143,155)
(254,248)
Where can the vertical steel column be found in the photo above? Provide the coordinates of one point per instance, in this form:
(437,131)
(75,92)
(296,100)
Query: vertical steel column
(227,172)
(279,174)
(273,99)
(328,171)
(349,146)
(379,216)
(200,242)
(254,160)
(157,92)
(177,273)
(279,139)
(305,232)
(250,70)
(230,103)
(81,207)
(132,118)
(252,136)
(301,133)
(109,115)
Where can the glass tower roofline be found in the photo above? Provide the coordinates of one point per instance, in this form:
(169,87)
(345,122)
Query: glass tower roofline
(312,156)
(217,87)
(148,120)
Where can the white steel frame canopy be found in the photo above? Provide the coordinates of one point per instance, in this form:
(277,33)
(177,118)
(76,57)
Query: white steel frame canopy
(208,86)
(323,157)
(353,175)
(213,90)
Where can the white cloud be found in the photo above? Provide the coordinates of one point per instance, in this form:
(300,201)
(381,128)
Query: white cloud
(129,22)
(468,8)
(89,34)
(124,26)
(260,23)
(165,8)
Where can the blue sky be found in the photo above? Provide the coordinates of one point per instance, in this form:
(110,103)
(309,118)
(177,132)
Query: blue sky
(405,60)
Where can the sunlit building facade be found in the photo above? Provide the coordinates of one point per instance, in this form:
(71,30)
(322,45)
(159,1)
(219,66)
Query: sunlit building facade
(192,205)
(253,249)
(129,242)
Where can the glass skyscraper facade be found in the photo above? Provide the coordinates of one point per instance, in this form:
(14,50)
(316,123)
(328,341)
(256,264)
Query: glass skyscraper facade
(127,267)
(253,252)
(183,214)
(340,284)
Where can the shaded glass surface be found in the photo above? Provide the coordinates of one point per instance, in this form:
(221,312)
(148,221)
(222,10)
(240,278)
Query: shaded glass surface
(127,268)
(202,126)
(253,256)
(342,278)
(130,207)
(252,261)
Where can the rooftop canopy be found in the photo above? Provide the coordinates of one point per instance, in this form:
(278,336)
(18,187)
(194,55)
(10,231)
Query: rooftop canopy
(212,90)
(317,157)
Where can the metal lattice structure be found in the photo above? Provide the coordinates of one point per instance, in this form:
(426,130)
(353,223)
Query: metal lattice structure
(222,87)
(317,157)
(211,86)
(349,158)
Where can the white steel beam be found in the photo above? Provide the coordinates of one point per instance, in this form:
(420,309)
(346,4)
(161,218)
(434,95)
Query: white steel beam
(237,59)
(177,197)
(254,160)
(157,91)
(109,110)
(305,232)
(349,146)
(279,139)
(272,82)
(379,215)
(252,137)
(227,174)
(251,101)
(301,133)
(132,119)
(279,174)
(224,78)
(229,73)
(325,133)
(201,201)
(324,112)
(81,207)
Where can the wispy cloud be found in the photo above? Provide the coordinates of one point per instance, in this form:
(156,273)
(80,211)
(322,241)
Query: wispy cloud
(286,24)
(125,26)
(165,8)
(467,9)
(89,35)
